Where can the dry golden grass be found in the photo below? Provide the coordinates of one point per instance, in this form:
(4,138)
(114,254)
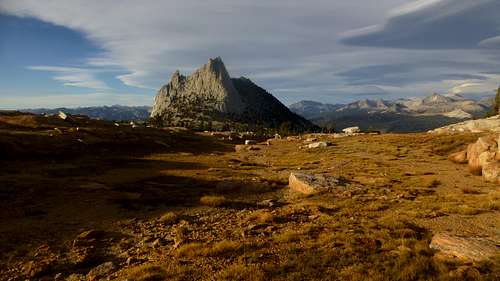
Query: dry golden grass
(241,272)
(220,248)
(288,236)
(213,200)
(465,210)
(223,247)
(147,273)
(163,272)
(375,235)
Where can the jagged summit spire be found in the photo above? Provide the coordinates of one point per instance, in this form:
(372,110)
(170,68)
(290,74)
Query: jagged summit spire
(217,67)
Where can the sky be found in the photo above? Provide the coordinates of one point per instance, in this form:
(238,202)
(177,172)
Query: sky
(103,52)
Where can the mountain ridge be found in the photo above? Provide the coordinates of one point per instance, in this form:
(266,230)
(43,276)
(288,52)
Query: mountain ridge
(401,115)
(111,113)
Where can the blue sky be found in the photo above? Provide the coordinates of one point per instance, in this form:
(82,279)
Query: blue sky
(88,52)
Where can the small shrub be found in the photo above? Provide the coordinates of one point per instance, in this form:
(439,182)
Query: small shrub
(190,250)
(213,200)
(169,217)
(434,183)
(288,236)
(222,248)
(470,190)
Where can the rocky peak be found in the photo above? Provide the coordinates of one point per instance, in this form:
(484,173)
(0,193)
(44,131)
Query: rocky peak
(436,98)
(217,67)
(209,94)
(208,89)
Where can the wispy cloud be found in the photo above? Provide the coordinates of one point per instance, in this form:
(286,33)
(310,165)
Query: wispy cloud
(75,77)
(151,39)
(304,49)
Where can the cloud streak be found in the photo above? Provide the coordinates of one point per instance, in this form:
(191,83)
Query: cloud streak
(74,77)
(434,24)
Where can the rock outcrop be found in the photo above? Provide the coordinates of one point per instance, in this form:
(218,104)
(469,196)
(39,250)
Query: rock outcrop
(351,130)
(465,248)
(209,94)
(318,144)
(483,157)
(459,157)
(491,124)
(315,184)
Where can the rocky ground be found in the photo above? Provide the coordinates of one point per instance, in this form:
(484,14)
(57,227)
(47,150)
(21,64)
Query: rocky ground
(106,202)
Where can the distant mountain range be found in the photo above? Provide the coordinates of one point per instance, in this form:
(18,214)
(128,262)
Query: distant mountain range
(112,113)
(402,115)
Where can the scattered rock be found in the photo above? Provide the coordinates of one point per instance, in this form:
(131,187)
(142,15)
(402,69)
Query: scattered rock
(483,158)
(474,150)
(459,157)
(490,167)
(312,184)
(100,271)
(267,203)
(62,115)
(38,268)
(86,237)
(253,148)
(76,277)
(318,144)
(465,248)
(351,130)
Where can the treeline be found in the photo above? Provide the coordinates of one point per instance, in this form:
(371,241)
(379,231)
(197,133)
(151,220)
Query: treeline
(283,129)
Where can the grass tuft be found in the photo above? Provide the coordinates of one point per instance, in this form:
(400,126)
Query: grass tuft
(147,273)
(213,200)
